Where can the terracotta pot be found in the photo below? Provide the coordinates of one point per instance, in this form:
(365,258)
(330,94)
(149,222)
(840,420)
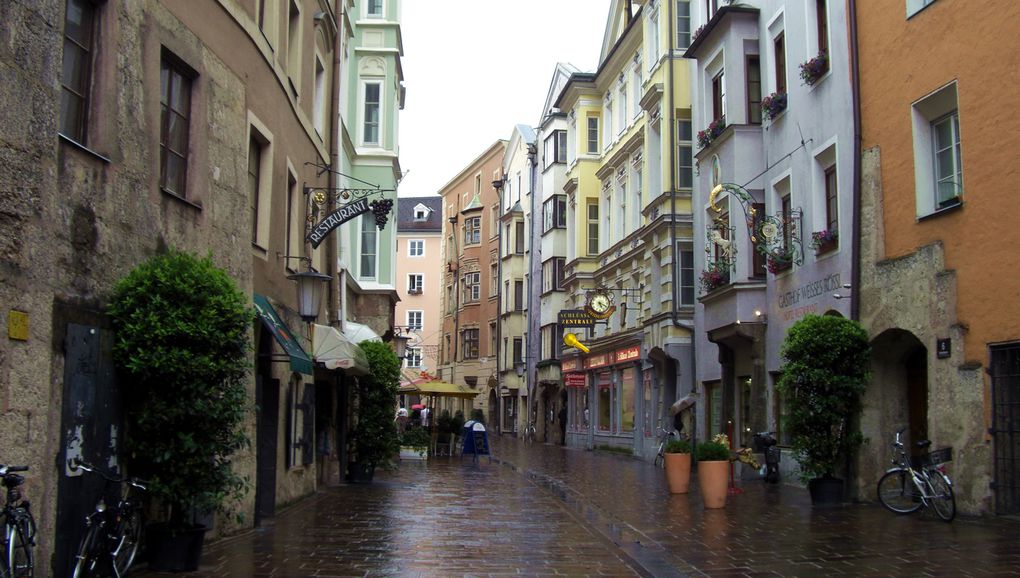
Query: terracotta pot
(678,472)
(713,481)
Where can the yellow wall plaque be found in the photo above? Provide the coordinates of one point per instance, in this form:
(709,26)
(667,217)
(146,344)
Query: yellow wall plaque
(17,325)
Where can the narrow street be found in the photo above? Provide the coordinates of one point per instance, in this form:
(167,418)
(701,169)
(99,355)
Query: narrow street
(545,510)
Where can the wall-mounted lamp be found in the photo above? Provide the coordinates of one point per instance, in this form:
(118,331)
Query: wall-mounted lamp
(842,295)
(310,284)
(400,335)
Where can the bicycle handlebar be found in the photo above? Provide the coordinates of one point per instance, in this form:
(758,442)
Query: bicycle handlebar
(4,470)
(78,464)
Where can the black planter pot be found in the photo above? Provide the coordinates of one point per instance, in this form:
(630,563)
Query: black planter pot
(361,473)
(827,491)
(174,549)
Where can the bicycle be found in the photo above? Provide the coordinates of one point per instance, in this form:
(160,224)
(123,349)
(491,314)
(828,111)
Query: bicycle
(904,488)
(111,536)
(660,456)
(19,527)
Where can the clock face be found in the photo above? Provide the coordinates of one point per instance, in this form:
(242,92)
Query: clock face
(600,302)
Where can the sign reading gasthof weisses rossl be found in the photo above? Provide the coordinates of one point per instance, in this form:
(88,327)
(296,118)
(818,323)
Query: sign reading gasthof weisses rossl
(335,219)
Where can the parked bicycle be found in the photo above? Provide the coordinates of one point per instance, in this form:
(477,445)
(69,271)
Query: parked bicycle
(905,488)
(111,537)
(664,436)
(19,527)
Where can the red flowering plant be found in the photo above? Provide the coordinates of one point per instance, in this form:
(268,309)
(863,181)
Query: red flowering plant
(715,275)
(778,262)
(715,128)
(697,33)
(772,105)
(824,240)
(813,69)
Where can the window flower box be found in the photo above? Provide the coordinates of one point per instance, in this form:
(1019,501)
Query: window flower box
(815,68)
(824,241)
(772,105)
(715,275)
(697,33)
(715,128)
(778,262)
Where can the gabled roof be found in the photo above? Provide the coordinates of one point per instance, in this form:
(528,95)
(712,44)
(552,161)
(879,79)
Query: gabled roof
(561,75)
(621,12)
(405,214)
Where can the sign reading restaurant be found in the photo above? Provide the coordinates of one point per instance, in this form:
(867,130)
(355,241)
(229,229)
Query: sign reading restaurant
(335,219)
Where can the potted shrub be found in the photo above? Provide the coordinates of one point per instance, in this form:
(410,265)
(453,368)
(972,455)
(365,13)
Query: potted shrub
(677,454)
(375,433)
(414,443)
(182,345)
(713,471)
(824,375)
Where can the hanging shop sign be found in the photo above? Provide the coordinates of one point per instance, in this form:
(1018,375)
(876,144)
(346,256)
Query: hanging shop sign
(628,354)
(335,219)
(575,380)
(596,361)
(575,318)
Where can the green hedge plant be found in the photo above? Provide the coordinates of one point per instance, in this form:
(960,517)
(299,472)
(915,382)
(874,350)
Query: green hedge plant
(680,446)
(182,346)
(826,370)
(375,434)
(712,452)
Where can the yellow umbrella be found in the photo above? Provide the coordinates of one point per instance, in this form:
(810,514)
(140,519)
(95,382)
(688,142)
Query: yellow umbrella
(438,389)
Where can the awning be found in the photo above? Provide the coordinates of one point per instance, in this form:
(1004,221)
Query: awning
(335,351)
(299,360)
(358,332)
(438,389)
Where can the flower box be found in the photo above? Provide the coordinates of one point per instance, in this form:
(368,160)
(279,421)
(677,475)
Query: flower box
(772,105)
(824,241)
(778,263)
(715,275)
(715,128)
(815,68)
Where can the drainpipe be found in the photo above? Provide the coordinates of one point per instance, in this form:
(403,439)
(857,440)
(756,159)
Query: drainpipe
(855,91)
(533,314)
(499,185)
(456,299)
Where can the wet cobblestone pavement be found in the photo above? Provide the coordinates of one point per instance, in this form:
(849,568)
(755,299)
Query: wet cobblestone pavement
(548,511)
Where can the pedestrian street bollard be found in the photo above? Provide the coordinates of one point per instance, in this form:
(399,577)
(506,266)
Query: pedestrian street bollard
(475,441)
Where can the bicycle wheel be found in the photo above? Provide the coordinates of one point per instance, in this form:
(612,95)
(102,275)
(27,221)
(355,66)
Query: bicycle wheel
(88,556)
(129,535)
(660,460)
(897,492)
(19,550)
(943,501)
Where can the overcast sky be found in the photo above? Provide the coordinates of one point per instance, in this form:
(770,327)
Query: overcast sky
(475,68)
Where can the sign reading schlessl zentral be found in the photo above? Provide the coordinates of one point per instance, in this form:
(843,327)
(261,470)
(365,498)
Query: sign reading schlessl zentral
(335,219)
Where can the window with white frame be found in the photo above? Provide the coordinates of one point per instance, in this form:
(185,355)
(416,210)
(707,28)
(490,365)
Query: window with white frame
(685,252)
(653,37)
(473,231)
(416,247)
(374,8)
(636,80)
(719,95)
(294,46)
(472,287)
(637,186)
(554,213)
(371,122)
(319,97)
(938,153)
(685,153)
(414,319)
(555,148)
(593,135)
(421,213)
(552,274)
(415,283)
(683,24)
(412,357)
(621,104)
(369,250)
(493,279)
(469,349)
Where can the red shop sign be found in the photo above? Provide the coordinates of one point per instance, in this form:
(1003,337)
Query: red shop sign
(628,354)
(575,380)
(596,361)
(569,364)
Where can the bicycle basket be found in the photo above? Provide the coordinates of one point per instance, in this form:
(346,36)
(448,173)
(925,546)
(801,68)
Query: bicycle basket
(934,458)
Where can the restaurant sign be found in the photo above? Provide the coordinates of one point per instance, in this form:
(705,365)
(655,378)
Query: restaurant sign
(335,219)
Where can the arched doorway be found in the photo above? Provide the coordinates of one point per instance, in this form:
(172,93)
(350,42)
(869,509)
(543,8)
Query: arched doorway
(493,411)
(896,397)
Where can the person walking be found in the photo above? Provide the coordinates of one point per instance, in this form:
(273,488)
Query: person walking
(401,419)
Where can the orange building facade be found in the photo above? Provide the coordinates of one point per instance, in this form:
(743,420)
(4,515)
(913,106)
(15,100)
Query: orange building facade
(938,286)
(469,345)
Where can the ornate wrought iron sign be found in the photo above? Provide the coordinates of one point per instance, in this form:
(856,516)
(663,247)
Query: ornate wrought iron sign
(776,237)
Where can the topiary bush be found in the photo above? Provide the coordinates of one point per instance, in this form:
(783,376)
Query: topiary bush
(827,360)
(712,452)
(182,346)
(375,435)
(679,446)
